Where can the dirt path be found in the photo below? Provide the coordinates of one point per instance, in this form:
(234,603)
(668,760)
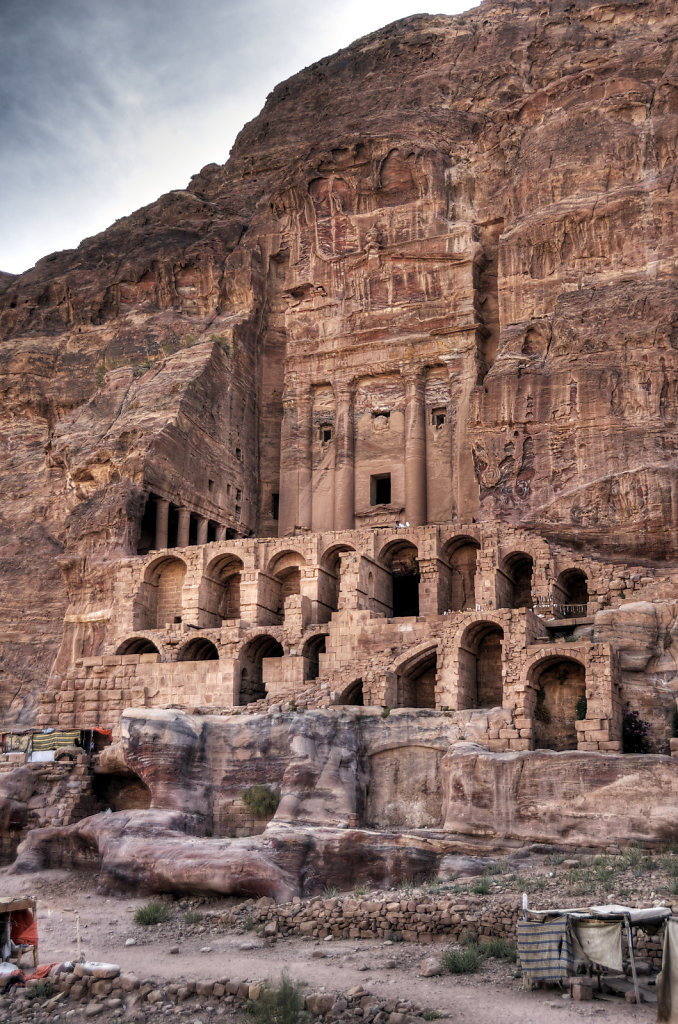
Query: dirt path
(388,970)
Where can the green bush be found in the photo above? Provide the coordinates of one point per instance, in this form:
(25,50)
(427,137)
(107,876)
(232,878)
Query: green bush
(280,1005)
(261,800)
(481,887)
(462,961)
(43,989)
(634,733)
(192,917)
(151,913)
(501,949)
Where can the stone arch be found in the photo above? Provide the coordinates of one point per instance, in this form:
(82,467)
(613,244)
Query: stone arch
(159,600)
(199,648)
(352,695)
(571,594)
(416,678)
(480,671)
(220,591)
(313,647)
(514,582)
(137,645)
(401,557)
(459,558)
(330,578)
(285,569)
(250,660)
(557,683)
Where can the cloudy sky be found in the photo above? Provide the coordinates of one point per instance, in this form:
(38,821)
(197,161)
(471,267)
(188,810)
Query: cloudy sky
(106,104)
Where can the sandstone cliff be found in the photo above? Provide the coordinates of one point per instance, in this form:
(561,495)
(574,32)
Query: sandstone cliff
(150,358)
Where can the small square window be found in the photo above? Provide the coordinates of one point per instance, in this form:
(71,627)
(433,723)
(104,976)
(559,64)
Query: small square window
(380,489)
(438,418)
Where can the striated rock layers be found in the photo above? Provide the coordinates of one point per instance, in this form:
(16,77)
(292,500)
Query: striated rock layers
(507,176)
(363,798)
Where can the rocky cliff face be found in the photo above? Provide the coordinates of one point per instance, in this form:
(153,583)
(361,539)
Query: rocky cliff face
(363,798)
(150,358)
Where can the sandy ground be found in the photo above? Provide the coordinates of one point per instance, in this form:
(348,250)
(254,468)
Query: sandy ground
(388,970)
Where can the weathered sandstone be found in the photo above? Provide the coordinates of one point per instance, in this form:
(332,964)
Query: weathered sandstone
(473,213)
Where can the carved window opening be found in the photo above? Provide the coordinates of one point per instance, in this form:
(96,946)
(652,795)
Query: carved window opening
(438,418)
(380,489)
(236,514)
(325,434)
(210,485)
(238,454)
(381,419)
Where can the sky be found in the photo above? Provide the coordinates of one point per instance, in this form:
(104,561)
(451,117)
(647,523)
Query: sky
(107,104)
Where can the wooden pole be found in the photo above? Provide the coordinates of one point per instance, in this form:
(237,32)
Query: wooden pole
(629,939)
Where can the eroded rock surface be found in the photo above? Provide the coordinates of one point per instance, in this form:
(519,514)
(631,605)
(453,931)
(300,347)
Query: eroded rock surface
(322,832)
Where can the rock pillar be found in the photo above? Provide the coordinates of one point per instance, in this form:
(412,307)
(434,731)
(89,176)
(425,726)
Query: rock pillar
(415,448)
(202,530)
(184,527)
(295,462)
(344,485)
(221,532)
(161,523)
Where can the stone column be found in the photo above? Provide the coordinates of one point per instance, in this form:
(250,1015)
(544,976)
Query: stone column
(184,527)
(295,462)
(161,523)
(415,447)
(202,529)
(344,483)
(221,532)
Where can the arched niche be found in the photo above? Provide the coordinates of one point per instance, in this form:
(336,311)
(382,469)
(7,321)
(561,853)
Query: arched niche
(352,696)
(159,600)
(416,680)
(220,591)
(402,560)
(250,659)
(312,649)
(330,577)
(558,685)
(137,645)
(459,557)
(285,570)
(515,581)
(571,594)
(199,649)
(480,667)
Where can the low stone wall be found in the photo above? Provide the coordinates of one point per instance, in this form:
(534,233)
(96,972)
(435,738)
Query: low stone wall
(112,994)
(439,918)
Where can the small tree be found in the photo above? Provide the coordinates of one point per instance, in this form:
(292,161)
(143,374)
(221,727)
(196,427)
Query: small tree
(634,733)
(261,800)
